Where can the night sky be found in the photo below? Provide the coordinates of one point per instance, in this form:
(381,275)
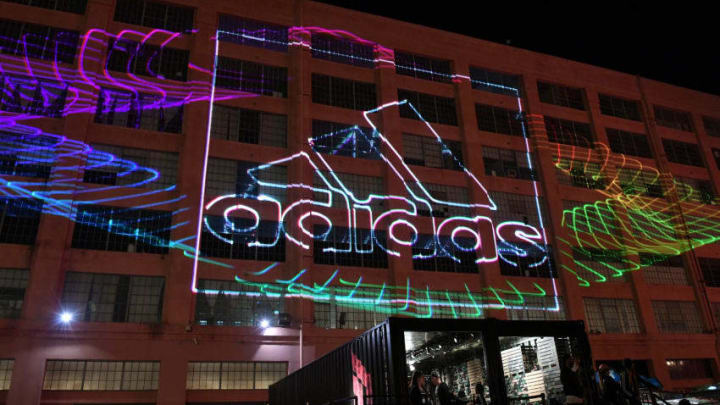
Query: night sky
(656,40)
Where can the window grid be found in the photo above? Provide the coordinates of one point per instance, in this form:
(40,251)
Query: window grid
(343,93)
(628,143)
(581,174)
(6,370)
(526,265)
(429,152)
(535,309)
(495,82)
(249,126)
(609,315)
(601,261)
(128,56)
(38,41)
(712,126)
(121,229)
(230,304)
(30,95)
(457,305)
(345,140)
(100,375)
(428,255)
(619,107)
(643,182)
(13,283)
(452,194)
(711,271)
(155,15)
(683,152)
(499,120)
(31,161)
(568,132)
(333,247)
(267,233)
(695,190)
(70,6)
(507,163)
(517,207)
(252,77)
(329,315)
(259,34)
(123,166)
(233,375)
(19,220)
(677,317)
(360,186)
(139,111)
(681,369)
(436,109)
(226,177)
(422,67)
(564,96)
(660,269)
(668,118)
(342,50)
(95,297)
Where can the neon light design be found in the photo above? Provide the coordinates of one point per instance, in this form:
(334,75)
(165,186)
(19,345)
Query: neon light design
(33,89)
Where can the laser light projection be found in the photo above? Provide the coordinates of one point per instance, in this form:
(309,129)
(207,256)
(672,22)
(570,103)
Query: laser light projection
(121,79)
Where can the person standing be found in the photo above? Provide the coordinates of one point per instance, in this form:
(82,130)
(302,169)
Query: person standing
(609,389)
(442,392)
(418,394)
(479,394)
(629,383)
(571,379)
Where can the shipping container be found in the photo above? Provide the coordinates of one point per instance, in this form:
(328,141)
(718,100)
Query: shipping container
(490,361)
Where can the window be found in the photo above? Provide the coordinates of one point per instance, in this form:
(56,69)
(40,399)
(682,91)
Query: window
(432,253)
(343,93)
(140,111)
(437,109)
(19,220)
(421,67)
(94,297)
(619,107)
(683,153)
(659,269)
(712,126)
(99,375)
(711,271)
(26,95)
(253,33)
(71,6)
(228,303)
(592,219)
(561,95)
(526,260)
(517,207)
(499,120)
(608,263)
(547,308)
(266,80)
(695,190)
(495,82)
(608,315)
(334,247)
(677,317)
(452,304)
(361,187)
(643,182)
(233,375)
(452,194)
(568,132)
(681,369)
(342,50)
(243,179)
(666,117)
(6,369)
(155,15)
(228,240)
(117,229)
(429,152)
(127,56)
(345,140)
(13,283)
(121,166)
(38,41)
(335,314)
(249,126)
(628,143)
(507,163)
(27,155)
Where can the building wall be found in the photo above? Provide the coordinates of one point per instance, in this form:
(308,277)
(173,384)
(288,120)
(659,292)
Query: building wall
(36,336)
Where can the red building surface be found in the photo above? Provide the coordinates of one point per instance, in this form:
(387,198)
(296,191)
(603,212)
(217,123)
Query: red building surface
(139,334)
